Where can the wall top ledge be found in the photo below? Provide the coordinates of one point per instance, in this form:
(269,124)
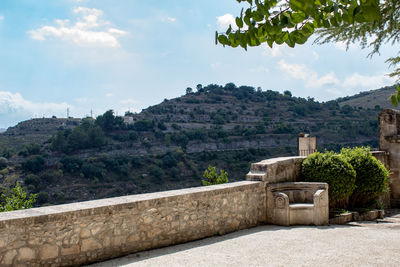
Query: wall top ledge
(124,201)
(277,160)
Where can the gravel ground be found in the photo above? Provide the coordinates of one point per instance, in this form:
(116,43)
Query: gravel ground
(374,243)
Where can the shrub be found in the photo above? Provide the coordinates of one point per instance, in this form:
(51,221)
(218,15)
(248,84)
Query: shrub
(42,197)
(51,176)
(371,175)
(32,179)
(333,169)
(71,164)
(34,164)
(213,178)
(3,162)
(19,199)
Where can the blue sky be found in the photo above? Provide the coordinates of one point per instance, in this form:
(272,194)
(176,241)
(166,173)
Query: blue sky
(126,55)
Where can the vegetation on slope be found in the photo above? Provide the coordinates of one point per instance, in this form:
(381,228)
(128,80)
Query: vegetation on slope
(169,145)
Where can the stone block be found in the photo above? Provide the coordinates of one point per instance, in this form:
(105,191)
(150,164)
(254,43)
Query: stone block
(90,244)
(48,252)
(26,254)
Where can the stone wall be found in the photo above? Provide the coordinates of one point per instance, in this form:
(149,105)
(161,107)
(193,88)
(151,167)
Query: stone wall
(389,141)
(85,232)
(276,170)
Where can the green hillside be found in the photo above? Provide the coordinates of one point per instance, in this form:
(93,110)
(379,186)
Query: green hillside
(378,99)
(169,145)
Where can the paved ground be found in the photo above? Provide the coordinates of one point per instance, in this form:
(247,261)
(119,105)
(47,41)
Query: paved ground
(355,244)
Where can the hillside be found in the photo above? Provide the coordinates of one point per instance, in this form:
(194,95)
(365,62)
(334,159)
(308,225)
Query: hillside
(169,145)
(379,98)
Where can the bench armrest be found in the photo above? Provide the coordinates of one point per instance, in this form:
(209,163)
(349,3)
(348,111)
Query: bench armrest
(281,200)
(321,198)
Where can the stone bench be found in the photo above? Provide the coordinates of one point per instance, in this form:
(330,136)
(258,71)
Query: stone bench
(298,203)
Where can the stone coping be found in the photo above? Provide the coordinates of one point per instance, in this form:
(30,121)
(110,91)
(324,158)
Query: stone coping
(114,204)
(355,216)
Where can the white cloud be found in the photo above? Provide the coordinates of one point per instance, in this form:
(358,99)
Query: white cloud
(128,101)
(224,21)
(82,100)
(215,65)
(277,51)
(171,19)
(301,72)
(1,17)
(89,29)
(315,55)
(371,81)
(14,108)
(343,46)
(109,95)
(260,69)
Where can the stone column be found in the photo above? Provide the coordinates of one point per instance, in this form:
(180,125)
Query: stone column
(307,145)
(389,141)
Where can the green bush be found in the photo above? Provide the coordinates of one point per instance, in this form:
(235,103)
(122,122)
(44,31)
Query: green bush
(213,178)
(333,169)
(19,199)
(34,164)
(371,176)
(3,162)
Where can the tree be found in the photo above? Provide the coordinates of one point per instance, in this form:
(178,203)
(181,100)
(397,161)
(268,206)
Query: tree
(213,178)
(189,90)
(369,22)
(18,200)
(294,21)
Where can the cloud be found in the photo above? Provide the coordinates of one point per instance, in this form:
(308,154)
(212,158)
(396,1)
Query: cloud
(109,95)
(171,19)
(224,21)
(371,81)
(277,51)
(301,72)
(14,108)
(128,101)
(260,69)
(88,30)
(343,46)
(1,17)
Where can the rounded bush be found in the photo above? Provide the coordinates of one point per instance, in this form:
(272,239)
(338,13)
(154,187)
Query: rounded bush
(333,169)
(371,175)
(3,162)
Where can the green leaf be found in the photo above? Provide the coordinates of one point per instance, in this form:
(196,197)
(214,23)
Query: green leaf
(333,21)
(394,100)
(229,30)
(297,17)
(247,20)
(223,39)
(258,16)
(270,42)
(239,22)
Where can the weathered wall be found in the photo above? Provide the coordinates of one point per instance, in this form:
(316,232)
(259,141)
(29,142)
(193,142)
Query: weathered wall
(276,170)
(389,141)
(96,230)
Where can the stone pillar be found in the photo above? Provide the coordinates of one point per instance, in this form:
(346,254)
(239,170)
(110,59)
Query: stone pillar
(389,141)
(307,145)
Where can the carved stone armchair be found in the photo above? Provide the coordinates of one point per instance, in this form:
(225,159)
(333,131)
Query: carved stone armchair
(298,203)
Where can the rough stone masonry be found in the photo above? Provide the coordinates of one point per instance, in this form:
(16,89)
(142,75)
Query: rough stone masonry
(91,231)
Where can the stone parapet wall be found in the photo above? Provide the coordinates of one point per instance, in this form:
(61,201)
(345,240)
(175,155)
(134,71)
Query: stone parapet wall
(91,231)
(276,170)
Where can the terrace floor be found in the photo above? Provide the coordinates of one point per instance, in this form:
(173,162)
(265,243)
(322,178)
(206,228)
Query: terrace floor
(374,243)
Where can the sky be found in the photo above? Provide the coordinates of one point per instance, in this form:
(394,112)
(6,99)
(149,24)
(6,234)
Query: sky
(96,55)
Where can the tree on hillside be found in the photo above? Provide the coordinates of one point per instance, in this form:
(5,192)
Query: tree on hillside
(369,22)
(108,121)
